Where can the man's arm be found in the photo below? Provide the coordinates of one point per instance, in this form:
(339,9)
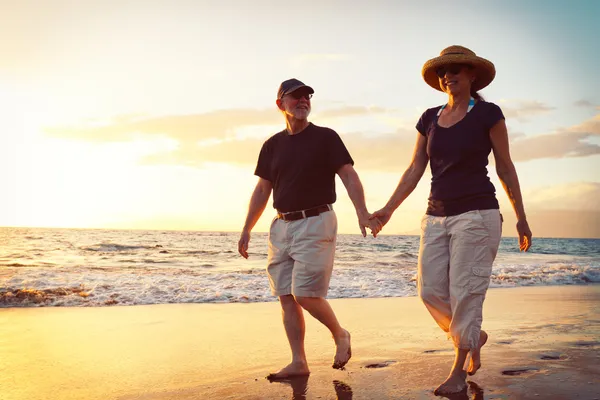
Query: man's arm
(357,194)
(258,202)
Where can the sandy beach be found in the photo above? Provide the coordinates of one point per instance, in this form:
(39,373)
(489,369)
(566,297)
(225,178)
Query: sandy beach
(544,344)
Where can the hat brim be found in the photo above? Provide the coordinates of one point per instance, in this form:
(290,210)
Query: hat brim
(293,89)
(485,72)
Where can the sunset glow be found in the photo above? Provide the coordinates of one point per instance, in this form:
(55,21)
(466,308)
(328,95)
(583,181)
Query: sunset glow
(115,118)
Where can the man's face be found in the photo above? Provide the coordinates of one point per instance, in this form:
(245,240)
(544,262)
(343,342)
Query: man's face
(296,103)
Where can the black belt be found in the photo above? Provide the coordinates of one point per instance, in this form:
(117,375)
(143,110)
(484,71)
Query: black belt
(311,212)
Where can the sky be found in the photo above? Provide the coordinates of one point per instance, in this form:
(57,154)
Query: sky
(147,114)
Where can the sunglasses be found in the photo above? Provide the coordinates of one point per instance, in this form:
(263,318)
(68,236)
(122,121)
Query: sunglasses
(454,69)
(298,94)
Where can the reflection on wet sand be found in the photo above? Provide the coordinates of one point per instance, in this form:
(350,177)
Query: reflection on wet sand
(342,390)
(474,390)
(299,387)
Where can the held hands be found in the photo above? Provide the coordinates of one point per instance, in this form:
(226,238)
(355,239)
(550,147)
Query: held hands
(524,235)
(243,243)
(378,219)
(366,220)
(383,215)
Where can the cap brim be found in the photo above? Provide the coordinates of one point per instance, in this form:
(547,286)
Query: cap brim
(293,89)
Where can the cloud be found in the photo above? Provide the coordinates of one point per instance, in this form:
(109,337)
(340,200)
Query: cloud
(556,145)
(184,128)
(582,196)
(591,126)
(570,142)
(525,109)
(351,111)
(391,152)
(192,128)
(555,223)
(515,135)
(583,103)
(241,152)
(565,210)
(215,137)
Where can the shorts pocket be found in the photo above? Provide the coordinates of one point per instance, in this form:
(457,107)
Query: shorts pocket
(479,281)
(424,223)
(271,228)
(329,221)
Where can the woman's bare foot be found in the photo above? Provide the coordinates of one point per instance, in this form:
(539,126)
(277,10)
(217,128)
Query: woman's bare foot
(475,362)
(343,351)
(455,383)
(294,369)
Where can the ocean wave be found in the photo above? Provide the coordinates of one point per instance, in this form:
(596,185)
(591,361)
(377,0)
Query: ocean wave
(17,265)
(406,256)
(112,268)
(203,252)
(562,274)
(114,247)
(39,297)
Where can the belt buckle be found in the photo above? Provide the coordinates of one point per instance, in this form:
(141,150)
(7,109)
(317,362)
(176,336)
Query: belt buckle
(284,215)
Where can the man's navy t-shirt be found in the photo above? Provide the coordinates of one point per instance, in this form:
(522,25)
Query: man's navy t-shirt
(302,167)
(459,157)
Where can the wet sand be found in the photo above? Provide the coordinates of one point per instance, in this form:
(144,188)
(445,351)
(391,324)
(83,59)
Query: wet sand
(544,344)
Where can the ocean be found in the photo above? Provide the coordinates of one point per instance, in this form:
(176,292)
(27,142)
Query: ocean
(94,267)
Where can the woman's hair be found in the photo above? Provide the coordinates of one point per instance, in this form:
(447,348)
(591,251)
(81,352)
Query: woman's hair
(476,95)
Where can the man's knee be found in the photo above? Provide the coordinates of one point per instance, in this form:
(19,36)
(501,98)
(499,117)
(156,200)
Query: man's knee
(306,302)
(287,301)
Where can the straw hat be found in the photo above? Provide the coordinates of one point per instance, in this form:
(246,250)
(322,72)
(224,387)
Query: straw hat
(484,69)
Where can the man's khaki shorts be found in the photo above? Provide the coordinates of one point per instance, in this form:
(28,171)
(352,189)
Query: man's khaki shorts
(300,258)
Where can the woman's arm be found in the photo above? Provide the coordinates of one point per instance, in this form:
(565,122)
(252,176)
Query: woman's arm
(508,176)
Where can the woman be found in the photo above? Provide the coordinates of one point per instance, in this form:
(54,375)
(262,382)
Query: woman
(461,230)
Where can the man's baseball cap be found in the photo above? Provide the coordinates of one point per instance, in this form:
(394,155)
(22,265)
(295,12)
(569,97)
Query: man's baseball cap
(291,85)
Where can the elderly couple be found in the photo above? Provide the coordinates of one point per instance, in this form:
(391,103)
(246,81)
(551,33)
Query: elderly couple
(460,231)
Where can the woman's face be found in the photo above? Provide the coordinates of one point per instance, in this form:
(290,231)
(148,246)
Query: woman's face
(456,78)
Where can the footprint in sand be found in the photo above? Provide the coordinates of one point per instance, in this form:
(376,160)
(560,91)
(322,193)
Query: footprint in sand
(583,343)
(436,351)
(519,371)
(505,342)
(381,364)
(552,356)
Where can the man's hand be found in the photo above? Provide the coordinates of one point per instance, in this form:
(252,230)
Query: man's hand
(366,220)
(243,243)
(524,235)
(382,215)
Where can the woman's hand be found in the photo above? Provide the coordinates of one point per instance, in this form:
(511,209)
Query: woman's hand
(524,235)
(382,215)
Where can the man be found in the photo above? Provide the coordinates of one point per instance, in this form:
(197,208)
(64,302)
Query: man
(299,165)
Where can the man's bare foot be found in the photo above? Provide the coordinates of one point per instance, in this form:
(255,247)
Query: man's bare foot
(343,351)
(292,370)
(455,383)
(475,362)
